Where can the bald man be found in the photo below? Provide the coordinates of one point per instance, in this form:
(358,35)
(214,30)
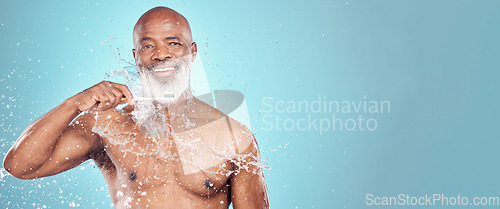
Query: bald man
(177,153)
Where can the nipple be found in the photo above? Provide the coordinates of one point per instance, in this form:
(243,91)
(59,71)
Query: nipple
(133,176)
(209,184)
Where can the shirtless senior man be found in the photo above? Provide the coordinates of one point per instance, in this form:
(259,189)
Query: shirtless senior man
(198,158)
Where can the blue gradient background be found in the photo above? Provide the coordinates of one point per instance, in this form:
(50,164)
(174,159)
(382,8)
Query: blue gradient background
(437,62)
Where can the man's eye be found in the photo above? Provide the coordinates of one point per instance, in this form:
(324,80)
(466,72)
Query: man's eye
(175,44)
(147,47)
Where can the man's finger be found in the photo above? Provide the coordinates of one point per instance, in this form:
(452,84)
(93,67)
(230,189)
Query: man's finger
(105,101)
(118,96)
(126,92)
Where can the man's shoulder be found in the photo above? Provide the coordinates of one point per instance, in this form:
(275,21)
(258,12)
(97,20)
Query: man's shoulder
(210,113)
(205,111)
(242,136)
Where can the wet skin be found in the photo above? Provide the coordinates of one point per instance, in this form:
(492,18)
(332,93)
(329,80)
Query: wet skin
(142,171)
(150,170)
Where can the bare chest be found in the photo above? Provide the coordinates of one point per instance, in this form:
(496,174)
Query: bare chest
(193,161)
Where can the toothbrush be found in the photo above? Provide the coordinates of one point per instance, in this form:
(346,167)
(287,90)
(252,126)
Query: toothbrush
(168,96)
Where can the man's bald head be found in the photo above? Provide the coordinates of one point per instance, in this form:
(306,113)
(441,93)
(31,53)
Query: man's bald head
(163,15)
(162,34)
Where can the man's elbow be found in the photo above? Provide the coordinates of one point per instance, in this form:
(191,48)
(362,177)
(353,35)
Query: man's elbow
(12,167)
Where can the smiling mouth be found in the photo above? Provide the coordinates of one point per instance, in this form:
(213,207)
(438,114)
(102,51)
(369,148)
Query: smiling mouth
(166,69)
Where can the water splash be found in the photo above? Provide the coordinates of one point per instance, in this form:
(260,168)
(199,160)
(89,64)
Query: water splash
(201,140)
(3,173)
(186,131)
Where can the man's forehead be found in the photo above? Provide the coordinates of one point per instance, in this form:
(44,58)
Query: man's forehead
(160,21)
(162,18)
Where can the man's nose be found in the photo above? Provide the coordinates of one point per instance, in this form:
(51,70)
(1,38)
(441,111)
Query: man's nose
(162,54)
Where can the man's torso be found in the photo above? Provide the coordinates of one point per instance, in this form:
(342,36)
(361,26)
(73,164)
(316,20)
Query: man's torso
(188,167)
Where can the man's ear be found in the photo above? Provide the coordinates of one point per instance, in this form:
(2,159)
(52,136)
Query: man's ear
(194,50)
(133,53)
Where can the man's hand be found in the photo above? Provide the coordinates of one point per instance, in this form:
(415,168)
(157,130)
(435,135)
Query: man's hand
(103,96)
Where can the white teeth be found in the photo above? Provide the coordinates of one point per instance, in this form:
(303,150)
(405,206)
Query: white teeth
(163,69)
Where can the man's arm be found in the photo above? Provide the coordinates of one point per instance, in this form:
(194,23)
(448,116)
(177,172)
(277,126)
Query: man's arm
(51,144)
(248,186)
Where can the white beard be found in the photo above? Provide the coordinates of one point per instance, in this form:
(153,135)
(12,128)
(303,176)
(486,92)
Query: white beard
(158,87)
(149,114)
